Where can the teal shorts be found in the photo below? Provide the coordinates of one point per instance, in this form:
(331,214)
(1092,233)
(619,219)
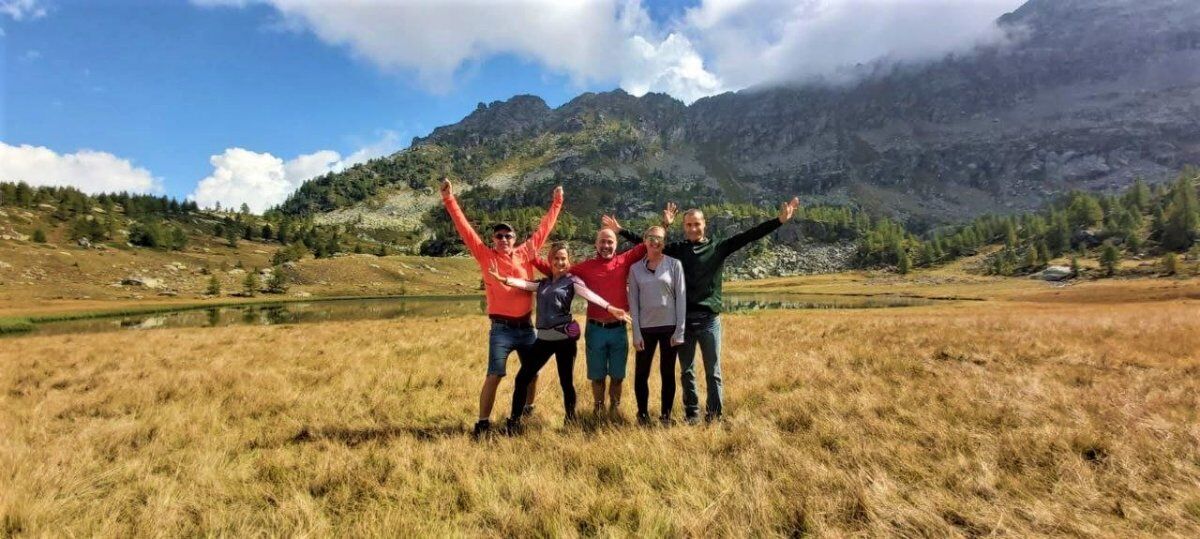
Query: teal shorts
(607,349)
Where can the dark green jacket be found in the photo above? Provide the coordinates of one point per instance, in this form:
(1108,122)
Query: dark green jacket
(704,263)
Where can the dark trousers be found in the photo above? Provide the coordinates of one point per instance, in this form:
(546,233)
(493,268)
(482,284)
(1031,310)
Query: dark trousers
(564,354)
(666,370)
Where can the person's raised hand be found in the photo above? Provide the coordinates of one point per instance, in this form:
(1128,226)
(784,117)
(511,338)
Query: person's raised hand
(668,214)
(787,210)
(447,188)
(558,194)
(610,222)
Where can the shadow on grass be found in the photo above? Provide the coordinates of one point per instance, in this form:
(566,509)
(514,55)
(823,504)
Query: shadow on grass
(358,436)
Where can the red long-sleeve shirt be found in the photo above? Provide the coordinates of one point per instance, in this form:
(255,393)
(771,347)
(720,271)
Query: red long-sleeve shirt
(604,277)
(503,300)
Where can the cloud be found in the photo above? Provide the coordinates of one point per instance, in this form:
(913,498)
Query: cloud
(87,170)
(593,41)
(261,180)
(753,42)
(20,10)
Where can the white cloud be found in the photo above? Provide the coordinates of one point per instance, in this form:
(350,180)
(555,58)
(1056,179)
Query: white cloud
(753,42)
(590,41)
(20,10)
(88,170)
(716,46)
(261,180)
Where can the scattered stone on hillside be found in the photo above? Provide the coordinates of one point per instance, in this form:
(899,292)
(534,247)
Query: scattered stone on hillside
(289,265)
(302,294)
(4,265)
(14,235)
(168,293)
(266,272)
(260,251)
(147,282)
(98,209)
(236,271)
(430,268)
(84,242)
(46,207)
(1053,273)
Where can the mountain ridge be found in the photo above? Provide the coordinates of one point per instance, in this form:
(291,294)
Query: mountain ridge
(1084,94)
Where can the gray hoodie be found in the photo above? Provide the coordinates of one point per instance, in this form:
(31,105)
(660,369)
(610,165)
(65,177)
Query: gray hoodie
(657,298)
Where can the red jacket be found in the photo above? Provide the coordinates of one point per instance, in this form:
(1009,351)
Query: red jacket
(503,300)
(606,278)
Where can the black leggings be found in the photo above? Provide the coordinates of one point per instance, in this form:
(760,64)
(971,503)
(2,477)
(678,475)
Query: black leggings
(564,354)
(666,369)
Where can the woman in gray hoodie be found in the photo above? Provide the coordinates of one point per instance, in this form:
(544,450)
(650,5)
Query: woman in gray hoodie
(658,305)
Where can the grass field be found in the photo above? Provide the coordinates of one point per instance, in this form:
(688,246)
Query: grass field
(1024,415)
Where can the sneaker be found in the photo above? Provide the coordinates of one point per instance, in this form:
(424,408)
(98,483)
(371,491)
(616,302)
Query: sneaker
(691,419)
(513,427)
(666,421)
(643,419)
(481,428)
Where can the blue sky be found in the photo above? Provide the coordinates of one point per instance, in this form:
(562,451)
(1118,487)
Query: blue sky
(164,89)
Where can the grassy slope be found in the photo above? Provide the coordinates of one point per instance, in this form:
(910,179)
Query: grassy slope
(1067,414)
(59,276)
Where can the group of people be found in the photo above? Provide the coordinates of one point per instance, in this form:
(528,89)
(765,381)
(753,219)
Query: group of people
(668,293)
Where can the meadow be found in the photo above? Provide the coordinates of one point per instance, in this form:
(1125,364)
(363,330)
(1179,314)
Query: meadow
(1050,412)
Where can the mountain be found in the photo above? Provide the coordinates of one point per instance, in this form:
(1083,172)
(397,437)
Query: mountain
(1084,94)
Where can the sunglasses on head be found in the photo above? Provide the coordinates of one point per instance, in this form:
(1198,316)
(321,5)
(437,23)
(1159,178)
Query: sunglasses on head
(504,235)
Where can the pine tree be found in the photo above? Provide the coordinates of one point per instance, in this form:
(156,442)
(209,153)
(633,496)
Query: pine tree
(905,263)
(250,284)
(278,284)
(1182,218)
(1171,263)
(214,286)
(1076,269)
(1109,258)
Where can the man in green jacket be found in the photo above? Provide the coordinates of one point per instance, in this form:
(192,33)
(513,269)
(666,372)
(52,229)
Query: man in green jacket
(703,266)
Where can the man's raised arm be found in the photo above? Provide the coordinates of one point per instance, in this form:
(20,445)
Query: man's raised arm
(469,237)
(744,238)
(544,228)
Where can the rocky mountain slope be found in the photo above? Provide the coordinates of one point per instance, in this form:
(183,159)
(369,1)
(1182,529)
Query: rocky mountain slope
(1084,94)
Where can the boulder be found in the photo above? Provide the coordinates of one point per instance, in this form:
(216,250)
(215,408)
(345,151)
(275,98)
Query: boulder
(1054,273)
(84,242)
(146,282)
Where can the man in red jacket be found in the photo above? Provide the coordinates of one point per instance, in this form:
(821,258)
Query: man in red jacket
(606,342)
(508,308)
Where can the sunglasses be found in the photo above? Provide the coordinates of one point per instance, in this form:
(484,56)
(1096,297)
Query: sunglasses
(654,239)
(504,236)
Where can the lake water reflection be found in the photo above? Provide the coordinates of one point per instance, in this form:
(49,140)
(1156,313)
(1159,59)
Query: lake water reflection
(390,308)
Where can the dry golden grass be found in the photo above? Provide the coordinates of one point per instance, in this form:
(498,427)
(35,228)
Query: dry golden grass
(982,418)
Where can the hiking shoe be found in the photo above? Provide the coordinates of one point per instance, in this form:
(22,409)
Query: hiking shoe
(714,418)
(513,426)
(666,421)
(527,411)
(643,419)
(691,419)
(481,428)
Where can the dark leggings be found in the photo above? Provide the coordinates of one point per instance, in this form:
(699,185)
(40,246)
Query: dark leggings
(666,369)
(564,354)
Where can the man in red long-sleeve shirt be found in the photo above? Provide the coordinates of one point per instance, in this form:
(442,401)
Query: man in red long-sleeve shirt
(605,340)
(508,308)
